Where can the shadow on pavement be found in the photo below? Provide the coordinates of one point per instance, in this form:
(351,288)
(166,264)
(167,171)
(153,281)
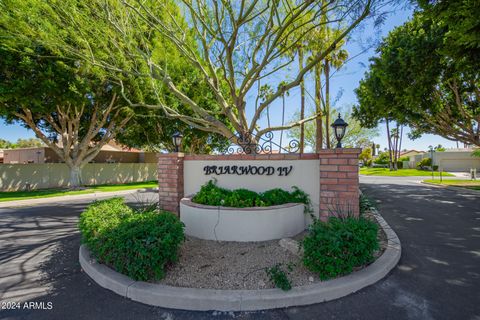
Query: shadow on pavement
(437,277)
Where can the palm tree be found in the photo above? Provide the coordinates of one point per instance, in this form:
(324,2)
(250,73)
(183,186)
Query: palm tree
(321,38)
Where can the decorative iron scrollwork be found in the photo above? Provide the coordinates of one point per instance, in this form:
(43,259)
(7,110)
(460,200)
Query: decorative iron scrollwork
(250,143)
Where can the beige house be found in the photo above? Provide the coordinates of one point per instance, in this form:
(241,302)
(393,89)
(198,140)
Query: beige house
(451,160)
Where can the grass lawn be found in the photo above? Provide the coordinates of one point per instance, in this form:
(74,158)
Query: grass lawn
(47,193)
(470,184)
(400,172)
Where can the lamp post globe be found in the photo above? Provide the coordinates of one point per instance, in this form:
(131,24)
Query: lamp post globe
(339,128)
(177,140)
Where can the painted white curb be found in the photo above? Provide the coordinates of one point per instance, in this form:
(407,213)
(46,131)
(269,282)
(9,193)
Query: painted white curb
(244,300)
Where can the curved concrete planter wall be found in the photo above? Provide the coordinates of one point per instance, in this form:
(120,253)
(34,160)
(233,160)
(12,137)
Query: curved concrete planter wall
(242,224)
(243,300)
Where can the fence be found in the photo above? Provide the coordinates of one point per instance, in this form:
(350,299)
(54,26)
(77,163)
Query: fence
(56,175)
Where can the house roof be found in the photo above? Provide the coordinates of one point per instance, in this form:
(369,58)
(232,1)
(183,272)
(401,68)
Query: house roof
(410,151)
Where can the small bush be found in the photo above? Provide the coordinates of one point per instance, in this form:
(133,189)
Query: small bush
(242,198)
(279,277)
(366,204)
(335,247)
(211,194)
(138,244)
(425,162)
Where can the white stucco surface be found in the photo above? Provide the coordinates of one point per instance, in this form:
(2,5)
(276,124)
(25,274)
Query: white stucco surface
(305,174)
(237,224)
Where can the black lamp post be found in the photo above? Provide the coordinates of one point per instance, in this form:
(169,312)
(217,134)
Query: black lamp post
(177,140)
(339,127)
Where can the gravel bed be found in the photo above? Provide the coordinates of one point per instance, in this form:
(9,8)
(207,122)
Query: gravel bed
(239,265)
(233,265)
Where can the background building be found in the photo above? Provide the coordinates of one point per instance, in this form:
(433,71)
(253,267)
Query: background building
(110,153)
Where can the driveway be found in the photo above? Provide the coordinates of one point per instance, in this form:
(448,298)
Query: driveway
(438,276)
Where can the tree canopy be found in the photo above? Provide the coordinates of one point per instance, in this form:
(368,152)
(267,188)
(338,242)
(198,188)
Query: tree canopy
(422,79)
(21,143)
(72,110)
(232,46)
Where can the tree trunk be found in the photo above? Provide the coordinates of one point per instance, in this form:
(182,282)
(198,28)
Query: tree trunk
(389,140)
(302,102)
(318,110)
(75,176)
(395,150)
(327,103)
(400,143)
(283,123)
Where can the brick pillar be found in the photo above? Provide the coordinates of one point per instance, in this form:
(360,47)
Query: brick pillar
(339,181)
(170,181)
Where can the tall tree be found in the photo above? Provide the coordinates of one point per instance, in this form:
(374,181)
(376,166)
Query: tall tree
(422,79)
(61,104)
(240,43)
(320,38)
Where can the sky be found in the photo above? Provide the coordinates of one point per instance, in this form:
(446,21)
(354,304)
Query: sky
(343,84)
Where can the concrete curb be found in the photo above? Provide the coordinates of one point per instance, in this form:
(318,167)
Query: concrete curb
(93,196)
(244,300)
(441,186)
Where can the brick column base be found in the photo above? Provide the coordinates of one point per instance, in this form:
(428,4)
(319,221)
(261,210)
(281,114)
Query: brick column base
(170,181)
(339,182)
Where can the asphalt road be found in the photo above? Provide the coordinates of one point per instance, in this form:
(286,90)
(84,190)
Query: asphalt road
(438,276)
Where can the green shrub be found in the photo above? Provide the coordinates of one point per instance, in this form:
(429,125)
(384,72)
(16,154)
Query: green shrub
(335,247)
(279,277)
(138,244)
(242,198)
(382,158)
(212,195)
(425,162)
(277,196)
(101,216)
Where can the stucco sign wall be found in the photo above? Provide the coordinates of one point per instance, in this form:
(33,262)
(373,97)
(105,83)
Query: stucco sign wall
(257,175)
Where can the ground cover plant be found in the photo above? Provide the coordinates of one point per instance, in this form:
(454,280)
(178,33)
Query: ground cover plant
(278,277)
(401,172)
(213,195)
(137,243)
(335,247)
